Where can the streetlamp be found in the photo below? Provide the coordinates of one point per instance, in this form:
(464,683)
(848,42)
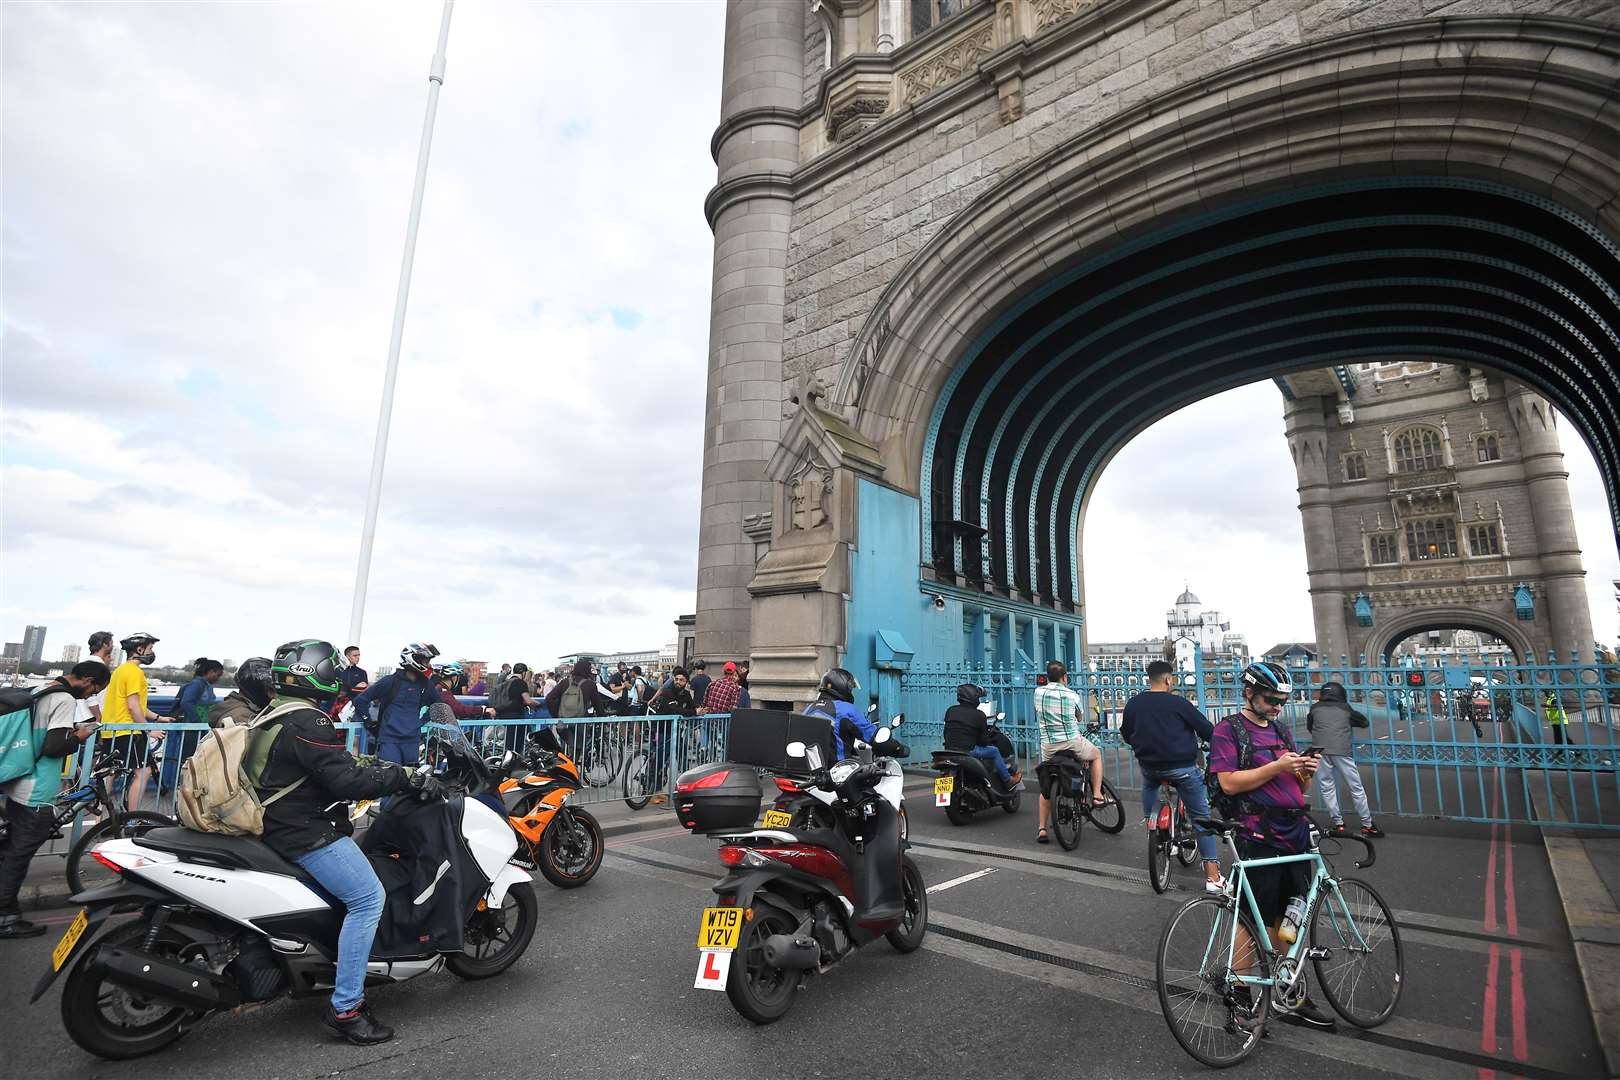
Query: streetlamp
(379,450)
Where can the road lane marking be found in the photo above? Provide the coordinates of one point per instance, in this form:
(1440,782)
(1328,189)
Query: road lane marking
(1405,1047)
(963,880)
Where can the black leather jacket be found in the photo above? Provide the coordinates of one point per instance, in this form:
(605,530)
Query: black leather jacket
(965,728)
(309,746)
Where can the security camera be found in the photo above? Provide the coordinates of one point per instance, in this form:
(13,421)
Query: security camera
(939,602)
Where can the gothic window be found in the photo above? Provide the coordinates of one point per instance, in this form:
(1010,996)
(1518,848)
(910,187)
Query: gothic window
(1488,448)
(1418,450)
(1484,539)
(1382,549)
(927,14)
(1355,466)
(1431,538)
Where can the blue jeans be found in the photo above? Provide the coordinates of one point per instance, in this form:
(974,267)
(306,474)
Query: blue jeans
(402,751)
(1189,782)
(993,756)
(343,870)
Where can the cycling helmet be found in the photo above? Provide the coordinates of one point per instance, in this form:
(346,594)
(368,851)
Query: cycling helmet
(136,641)
(1264,675)
(307,669)
(969,695)
(416,657)
(839,683)
(447,669)
(254,681)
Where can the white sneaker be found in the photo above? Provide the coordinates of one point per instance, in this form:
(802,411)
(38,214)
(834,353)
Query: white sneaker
(1216,886)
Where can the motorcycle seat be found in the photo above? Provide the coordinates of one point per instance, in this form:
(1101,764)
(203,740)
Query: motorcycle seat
(215,849)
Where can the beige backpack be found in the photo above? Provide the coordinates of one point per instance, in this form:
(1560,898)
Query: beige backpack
(219,783)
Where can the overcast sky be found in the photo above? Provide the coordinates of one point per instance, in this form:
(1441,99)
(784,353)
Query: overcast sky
(203,212)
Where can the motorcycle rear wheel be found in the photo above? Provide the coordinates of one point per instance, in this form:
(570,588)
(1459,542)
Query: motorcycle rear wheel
(1017,800)
(570,855)
(956,810)
(112,1022)
(757,990)
(497,936)
(908,936)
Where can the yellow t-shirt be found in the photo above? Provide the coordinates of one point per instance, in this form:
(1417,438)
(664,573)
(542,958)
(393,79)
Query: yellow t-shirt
(128,678)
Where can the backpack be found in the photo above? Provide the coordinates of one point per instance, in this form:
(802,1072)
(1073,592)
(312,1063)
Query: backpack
(1230,807)
(218,790)
(19,750)
(572,702)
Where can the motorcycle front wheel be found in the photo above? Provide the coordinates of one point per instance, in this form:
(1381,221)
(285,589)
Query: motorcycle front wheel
(757,990)
(116,1023)
(571,848)
(908,936)
(495,937)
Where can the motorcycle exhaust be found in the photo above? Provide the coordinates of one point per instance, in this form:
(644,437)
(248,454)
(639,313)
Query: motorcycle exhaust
(792,953)
(152,976)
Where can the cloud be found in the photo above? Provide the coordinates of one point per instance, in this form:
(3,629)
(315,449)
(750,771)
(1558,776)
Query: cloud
(200,282)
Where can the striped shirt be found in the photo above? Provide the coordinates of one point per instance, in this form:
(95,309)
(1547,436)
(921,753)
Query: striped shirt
(1055,705)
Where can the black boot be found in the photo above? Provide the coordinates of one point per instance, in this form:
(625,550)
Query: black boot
(15,926)
(358,1025)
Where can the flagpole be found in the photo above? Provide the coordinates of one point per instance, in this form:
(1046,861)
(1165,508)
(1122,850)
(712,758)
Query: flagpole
(379,450)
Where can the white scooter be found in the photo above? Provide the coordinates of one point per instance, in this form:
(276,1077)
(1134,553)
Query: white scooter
(800,805)
(225,921)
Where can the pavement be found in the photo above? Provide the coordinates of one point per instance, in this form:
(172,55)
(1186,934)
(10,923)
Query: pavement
(1038,961)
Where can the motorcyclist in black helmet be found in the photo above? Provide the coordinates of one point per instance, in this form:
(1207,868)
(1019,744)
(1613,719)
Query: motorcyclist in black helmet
(968,731)
(310,776)
(251,695)
(836,700)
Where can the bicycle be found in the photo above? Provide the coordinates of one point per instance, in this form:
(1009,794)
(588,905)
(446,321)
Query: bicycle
(1218,1006)
(117,821)
(1169,832)
(1066,782)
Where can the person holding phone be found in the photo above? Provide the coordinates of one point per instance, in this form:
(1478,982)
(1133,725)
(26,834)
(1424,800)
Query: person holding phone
(30,799)
(1332,723)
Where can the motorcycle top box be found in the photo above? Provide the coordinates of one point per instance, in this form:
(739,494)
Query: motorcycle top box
(719,797)
(762,736)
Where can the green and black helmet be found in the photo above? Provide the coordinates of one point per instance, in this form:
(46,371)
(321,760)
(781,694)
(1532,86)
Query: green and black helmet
(307,669)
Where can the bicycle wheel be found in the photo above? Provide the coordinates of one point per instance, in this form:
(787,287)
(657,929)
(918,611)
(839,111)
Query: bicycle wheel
(83,872)
(1066,819)
(1158,860)
(1185,842)
(1110,816)
(637,781)
(1215,1019)
(1364,965)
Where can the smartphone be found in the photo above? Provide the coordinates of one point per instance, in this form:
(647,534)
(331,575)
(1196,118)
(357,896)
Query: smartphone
(1313,751)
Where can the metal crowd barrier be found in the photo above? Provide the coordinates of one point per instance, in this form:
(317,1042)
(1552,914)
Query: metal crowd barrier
(618,756)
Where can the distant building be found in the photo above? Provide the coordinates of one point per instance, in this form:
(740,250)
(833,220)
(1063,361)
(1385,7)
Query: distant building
(382,669)
(1123,656)
(1292,653)
(116,658)
(13,651)
(70,654)
(1189,633)
(33,645)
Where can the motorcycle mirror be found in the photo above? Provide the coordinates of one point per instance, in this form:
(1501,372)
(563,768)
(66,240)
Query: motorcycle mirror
(1001,716)
(872,708)
(795,749)
(812,756)
(882,736)
(899,718)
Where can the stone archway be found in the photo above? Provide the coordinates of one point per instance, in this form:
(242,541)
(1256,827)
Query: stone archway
(1449,619)
(1351,199)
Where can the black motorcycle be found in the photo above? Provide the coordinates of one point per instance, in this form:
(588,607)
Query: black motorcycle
(966,785)
(793,902)
(799,806)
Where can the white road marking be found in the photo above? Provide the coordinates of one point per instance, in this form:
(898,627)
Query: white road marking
(964,879)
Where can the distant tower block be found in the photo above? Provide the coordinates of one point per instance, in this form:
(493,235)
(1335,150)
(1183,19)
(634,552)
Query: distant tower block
(1434,497)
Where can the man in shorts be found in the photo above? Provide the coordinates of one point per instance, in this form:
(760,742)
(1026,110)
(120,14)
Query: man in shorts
(1058,709)
(1270,795)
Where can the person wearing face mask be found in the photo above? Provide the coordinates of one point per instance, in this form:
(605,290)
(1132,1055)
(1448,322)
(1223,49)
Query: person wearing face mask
(126,707)
(30,799)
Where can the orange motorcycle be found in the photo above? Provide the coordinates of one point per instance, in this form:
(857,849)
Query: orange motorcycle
(564,842)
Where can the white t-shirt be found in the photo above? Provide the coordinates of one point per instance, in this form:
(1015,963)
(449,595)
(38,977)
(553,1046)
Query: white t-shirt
(52,711)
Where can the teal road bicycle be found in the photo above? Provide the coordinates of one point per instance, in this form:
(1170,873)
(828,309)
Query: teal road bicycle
(1221,974)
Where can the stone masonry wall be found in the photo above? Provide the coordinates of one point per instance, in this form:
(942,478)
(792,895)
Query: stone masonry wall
(855,232)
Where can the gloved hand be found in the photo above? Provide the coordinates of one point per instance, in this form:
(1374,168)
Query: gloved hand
(426,787)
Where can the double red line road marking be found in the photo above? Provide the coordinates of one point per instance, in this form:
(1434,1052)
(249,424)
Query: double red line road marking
(1501,839)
